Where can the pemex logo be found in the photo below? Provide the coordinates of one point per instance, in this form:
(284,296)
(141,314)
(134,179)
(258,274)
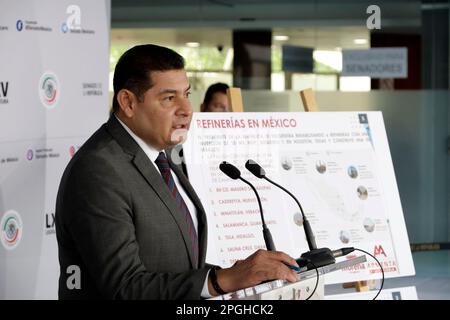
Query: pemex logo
(49,89)
(11,231)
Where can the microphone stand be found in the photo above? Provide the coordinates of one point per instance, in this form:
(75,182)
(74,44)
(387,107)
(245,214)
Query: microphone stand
(234,173)
(314,258)
(266,232)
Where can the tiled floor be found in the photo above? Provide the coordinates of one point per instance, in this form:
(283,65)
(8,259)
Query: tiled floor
(432,279)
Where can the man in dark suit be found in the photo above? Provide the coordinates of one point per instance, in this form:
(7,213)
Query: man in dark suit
(128,223)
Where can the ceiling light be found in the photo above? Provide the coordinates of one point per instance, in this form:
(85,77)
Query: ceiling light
(192,44)
(360,41)
(281,38)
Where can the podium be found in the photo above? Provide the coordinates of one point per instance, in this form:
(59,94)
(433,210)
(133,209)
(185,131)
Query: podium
(299,290)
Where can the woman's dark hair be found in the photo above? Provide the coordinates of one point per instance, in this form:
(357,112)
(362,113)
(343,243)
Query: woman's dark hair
(133,69)
(212,89)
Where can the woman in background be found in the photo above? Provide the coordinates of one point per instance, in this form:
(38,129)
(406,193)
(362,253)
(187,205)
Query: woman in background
(216,99)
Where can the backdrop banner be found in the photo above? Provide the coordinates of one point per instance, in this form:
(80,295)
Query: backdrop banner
(53,96)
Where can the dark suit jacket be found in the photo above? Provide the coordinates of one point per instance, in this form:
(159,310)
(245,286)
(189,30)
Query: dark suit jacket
(117,221)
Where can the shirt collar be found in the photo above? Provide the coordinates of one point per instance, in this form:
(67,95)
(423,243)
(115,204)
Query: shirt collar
(149,150)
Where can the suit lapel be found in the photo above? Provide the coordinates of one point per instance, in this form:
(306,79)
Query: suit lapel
(154,179)
(152,176)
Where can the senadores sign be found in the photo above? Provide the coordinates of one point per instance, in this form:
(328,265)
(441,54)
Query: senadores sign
(53,95)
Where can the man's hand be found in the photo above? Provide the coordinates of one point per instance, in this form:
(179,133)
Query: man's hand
(260,266)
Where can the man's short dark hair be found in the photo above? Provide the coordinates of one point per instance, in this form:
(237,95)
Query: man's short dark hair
(133,69)
(212,89)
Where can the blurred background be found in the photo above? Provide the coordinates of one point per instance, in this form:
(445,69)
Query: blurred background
(221,39)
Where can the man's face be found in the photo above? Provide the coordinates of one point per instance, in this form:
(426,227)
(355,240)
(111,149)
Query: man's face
(163,118)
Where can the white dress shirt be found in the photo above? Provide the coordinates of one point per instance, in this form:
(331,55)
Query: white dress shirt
(152,154)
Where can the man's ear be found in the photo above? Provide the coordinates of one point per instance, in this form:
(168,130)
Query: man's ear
(127,102)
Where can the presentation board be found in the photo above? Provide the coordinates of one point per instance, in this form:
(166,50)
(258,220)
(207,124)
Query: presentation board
(338,165)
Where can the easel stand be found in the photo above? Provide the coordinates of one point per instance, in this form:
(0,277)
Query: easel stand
(360,286)
(235,99)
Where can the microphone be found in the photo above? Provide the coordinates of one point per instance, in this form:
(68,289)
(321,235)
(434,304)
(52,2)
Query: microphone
(314,258)
(234,173)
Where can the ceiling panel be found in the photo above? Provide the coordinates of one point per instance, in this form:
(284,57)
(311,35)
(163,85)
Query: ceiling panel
(321,38)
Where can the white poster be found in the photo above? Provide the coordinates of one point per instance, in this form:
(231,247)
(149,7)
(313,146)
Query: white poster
(337,164)
(404,293)
(375,62)
(53,95)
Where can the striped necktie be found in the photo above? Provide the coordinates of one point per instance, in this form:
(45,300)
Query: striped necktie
(164,168)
